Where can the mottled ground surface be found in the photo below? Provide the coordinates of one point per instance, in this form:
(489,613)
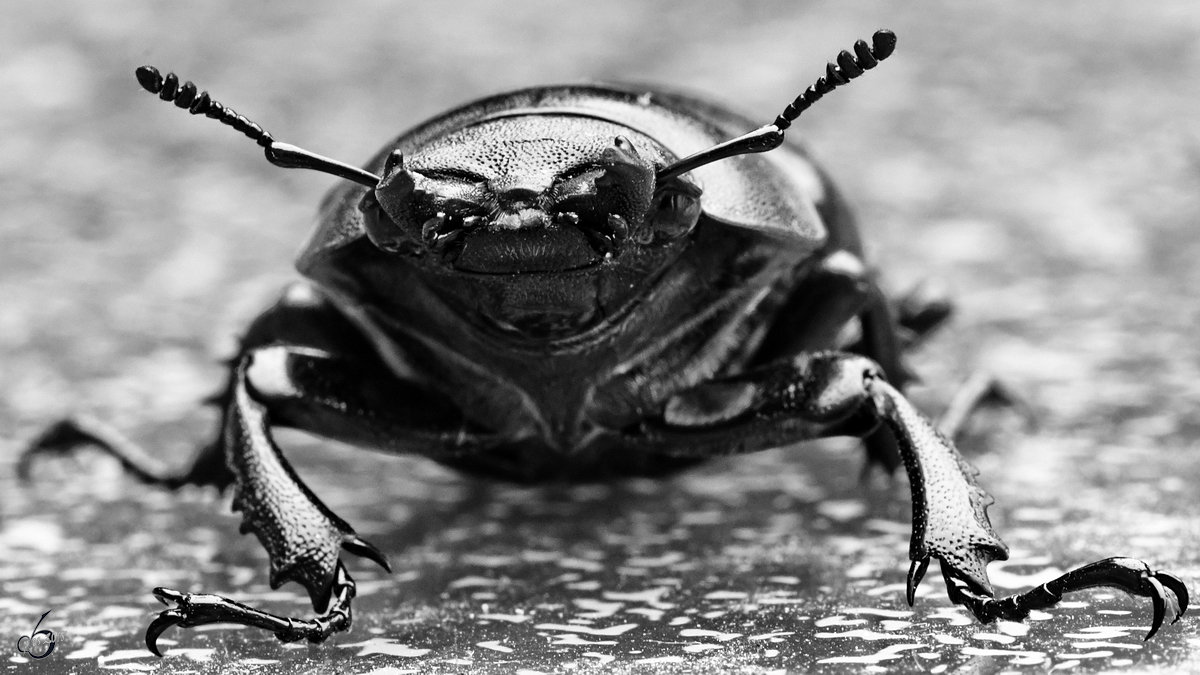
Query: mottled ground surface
(1043,161)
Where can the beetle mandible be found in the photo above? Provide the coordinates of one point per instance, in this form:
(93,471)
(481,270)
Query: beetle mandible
(571,283)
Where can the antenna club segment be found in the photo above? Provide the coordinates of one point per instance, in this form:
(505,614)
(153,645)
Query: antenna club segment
(280,154)
(848,67)
(769,137)
(186,96)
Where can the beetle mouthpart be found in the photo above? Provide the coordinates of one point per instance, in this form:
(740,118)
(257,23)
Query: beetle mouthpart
(522,219)
(431,228)
(608,242)
(439,231)
(605,239)
(618,226)
(490,250)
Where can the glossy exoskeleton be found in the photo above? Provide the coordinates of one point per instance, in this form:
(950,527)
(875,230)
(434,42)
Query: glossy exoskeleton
(535,286)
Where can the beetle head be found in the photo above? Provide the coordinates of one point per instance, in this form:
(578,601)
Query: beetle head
(529,194)
(545,219)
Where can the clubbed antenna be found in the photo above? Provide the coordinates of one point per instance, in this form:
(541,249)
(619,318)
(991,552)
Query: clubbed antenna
(280,154)
(769,137)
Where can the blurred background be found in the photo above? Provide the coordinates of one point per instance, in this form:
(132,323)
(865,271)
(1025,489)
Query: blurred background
(1043,161)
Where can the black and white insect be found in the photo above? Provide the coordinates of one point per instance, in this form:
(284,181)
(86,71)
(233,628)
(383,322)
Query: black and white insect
(577,283)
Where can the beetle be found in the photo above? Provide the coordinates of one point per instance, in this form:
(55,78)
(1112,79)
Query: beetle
(576,283)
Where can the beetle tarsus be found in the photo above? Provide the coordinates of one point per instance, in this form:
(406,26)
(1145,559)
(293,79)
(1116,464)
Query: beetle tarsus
(1167,593)
(199,609)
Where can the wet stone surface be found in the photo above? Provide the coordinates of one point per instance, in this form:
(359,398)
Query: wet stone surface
(749,565)
(1042,162)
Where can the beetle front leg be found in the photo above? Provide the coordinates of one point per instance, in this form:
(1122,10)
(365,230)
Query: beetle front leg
(349,398)
(832,394)
(828,394)
(302,536)
(931,461)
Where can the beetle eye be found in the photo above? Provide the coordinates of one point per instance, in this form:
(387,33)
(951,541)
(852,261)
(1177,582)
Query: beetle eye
(673,215)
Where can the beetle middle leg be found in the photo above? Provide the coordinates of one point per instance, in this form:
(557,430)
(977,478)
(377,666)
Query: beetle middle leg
(301,316)
(834,394)
(890,329)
